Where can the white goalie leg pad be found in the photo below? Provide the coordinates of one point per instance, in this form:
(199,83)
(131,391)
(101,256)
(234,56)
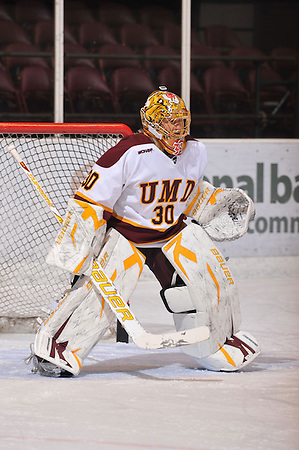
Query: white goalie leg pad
(211,288)
(122,262)
(72,329)
(237,351)
(82,317)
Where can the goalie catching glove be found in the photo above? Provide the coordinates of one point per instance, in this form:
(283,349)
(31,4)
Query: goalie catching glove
(79,239)
(223,213)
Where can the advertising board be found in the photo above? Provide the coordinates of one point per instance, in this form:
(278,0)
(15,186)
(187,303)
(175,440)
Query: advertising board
(268,171)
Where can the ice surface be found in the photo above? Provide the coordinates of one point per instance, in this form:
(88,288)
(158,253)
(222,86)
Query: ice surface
(129,398)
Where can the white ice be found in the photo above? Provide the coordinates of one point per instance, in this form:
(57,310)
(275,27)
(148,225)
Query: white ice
(128,398)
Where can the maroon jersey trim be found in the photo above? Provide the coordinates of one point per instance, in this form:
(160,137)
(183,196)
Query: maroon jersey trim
(111,156)
(142,235)
(190,138)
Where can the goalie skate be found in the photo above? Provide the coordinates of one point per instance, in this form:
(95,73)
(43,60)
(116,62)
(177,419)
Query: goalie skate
(48,369)
(238,351)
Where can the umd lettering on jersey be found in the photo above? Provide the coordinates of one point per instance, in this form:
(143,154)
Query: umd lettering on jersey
(163,195)
(169,191)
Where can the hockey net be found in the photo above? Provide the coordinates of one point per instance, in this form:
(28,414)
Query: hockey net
(60,157)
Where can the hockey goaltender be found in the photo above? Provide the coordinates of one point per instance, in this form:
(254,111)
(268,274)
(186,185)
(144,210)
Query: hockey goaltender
(145,202)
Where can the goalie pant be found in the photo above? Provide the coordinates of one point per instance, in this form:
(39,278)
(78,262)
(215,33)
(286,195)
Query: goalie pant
(198,289)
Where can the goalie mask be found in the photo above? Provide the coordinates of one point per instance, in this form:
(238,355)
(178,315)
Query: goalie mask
(166,118)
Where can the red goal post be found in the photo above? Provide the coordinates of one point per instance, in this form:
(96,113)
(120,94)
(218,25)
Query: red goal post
(60,157)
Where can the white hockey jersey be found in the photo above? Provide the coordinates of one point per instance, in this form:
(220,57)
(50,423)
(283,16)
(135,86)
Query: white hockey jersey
(143,190)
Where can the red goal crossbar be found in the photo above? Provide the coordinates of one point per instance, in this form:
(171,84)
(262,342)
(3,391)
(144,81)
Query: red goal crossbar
(65,128)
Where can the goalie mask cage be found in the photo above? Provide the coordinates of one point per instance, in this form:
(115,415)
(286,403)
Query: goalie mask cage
(59,156)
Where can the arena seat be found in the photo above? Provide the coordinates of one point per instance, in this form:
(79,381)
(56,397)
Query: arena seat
(153,64)
(76,49)
(225,92)
(107,65)
(15,64)
(76,12)
(137,36)
(9,94)
(199,66)
(30,11)
(87,91)
(157,16)
(36,84)
(242,67)
(115,14)
(222,37)
(172,35)
(43,32)
(12,32)
(131,87)
(93,35)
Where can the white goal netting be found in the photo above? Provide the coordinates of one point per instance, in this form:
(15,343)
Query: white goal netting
(59,157)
